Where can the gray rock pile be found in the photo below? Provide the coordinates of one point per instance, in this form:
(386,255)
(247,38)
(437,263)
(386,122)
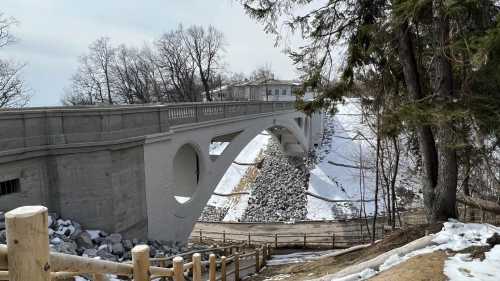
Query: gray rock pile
(67,236)
(213,214)
(278,193)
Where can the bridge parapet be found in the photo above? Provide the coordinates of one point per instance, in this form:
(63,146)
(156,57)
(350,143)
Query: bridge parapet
(40,127)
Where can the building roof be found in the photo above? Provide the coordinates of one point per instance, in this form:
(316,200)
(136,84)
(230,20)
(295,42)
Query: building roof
(264,81)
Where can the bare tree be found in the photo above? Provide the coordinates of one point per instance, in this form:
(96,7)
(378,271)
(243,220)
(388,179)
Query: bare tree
(205,47)
(13,92)
(101,55)
(6,37)
(176,61)
(92,82)
(166,73)
(135,77)
(263,74)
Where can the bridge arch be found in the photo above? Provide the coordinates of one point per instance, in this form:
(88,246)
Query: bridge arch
(292,136)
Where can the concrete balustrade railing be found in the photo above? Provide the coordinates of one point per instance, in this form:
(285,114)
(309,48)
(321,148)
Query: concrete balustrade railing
(52,126)
(27,257)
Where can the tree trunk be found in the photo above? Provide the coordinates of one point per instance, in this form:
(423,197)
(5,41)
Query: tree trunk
(206,87)
(427,145)
(489,206)
(445,192)
(393,180)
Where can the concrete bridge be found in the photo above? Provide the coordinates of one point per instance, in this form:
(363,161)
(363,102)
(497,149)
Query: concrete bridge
(121,168)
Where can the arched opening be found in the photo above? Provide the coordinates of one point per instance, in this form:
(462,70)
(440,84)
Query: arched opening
(233,191)
(186,173)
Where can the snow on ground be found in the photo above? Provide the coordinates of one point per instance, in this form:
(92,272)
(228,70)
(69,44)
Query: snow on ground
(462,267)
(236,172)
(236,211)
(346,147)
(301,257)
(298,257)
(454,236)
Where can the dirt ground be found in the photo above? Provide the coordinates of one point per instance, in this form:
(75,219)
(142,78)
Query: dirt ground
(333,264)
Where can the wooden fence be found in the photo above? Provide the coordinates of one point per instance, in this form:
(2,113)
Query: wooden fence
(332,240)
(27,257)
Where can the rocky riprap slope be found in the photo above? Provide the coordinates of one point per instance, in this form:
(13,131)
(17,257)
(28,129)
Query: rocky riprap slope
(67,236)
(278,193)
(213,214)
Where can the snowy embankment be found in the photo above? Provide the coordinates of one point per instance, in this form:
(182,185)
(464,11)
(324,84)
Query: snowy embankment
(346,142)
(454,237)
(342,169)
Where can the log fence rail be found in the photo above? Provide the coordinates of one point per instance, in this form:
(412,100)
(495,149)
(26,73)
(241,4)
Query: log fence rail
(27,257)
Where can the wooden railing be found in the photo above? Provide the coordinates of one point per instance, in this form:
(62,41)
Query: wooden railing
(27,257)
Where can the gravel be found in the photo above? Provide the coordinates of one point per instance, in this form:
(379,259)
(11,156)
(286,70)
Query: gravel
(278,193)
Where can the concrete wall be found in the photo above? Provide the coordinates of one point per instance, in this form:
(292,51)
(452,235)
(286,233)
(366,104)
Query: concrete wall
(101,189)
(32,174)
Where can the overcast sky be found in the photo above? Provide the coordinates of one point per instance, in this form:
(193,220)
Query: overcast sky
(53,33)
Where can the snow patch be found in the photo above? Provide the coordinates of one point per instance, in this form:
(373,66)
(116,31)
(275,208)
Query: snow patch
(462,267)
(454,236)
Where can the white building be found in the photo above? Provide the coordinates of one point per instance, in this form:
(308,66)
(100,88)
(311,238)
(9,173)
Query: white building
(262,89)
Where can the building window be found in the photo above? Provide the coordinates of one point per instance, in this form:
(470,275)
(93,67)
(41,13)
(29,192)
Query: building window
(10,186)
(276,92)
(283,92)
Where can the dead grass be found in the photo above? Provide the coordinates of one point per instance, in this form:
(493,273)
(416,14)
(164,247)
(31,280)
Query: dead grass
(420,268)
(333,264)
(246,180)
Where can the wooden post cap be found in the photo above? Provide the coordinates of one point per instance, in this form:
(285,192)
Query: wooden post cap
(25,212)
(140,249)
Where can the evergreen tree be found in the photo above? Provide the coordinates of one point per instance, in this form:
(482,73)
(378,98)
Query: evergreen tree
(432,64)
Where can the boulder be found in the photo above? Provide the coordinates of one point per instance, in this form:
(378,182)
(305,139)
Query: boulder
(114,238)
(117,249)
(84,240)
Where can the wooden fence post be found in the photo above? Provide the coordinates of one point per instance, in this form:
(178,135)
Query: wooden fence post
(196,267)
(140,260)
(163,264)
(201,236)
(178,264)
(212,271)
(276,240)
(28,243)
(223,268)
(224,237)
(305,239)
(237,266)
(249,240)
(264,255)
(333,240)
(257,263)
